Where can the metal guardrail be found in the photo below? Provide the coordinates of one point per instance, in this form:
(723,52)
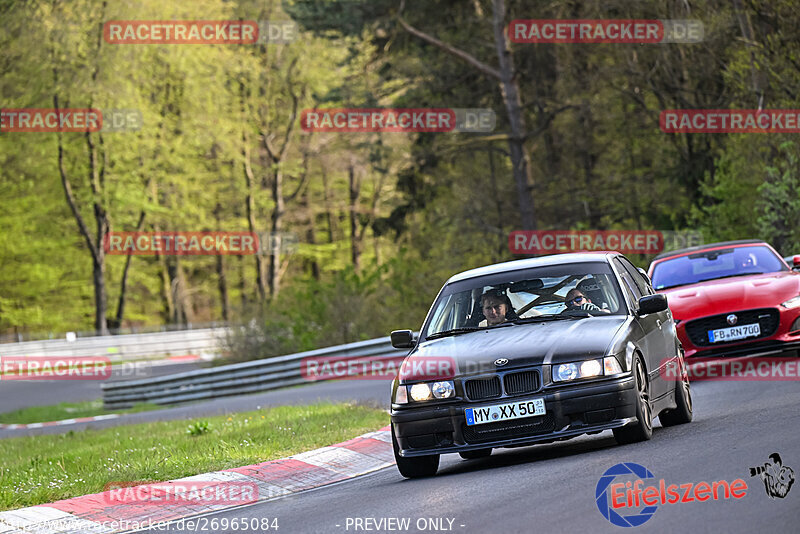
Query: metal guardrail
(240,378)
(20,337)
(204,343)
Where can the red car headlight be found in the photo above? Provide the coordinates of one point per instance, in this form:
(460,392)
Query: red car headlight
(791,303)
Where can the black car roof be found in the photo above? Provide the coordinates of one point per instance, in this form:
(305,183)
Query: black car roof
(553,259)
(698,248)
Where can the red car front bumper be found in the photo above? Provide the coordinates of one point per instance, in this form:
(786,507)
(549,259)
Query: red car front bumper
(786,336)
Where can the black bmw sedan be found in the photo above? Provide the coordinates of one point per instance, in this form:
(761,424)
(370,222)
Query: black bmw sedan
(535,351)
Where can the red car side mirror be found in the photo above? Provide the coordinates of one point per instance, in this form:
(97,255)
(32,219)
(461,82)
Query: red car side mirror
(796,260)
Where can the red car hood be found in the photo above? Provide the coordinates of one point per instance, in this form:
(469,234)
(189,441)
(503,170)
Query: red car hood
(732,294)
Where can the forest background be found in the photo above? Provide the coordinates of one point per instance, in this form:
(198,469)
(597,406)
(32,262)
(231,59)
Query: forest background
(380,220)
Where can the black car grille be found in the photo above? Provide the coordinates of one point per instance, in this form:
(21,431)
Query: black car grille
(697,330)
(482,388)
(509,429)
(524,382)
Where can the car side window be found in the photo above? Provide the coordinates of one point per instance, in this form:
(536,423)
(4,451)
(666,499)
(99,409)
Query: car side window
(636,276)
(627,283)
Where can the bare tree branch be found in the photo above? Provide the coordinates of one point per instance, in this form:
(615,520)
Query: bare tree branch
(464,56)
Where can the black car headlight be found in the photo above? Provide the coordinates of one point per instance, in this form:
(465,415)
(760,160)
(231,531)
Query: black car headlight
(607,366)
(424,391)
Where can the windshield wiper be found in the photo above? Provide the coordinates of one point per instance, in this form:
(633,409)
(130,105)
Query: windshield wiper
(549,317)
(726,276)
(454,331)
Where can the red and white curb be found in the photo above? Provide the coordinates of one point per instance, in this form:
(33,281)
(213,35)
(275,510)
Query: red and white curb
(99,513)
(58,423)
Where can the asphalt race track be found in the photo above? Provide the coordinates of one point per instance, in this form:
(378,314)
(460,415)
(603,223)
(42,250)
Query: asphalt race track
(17,394)
(367,391)
(551,488)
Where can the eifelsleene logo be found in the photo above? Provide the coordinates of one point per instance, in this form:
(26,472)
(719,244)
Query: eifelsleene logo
(614,499)
(777,478)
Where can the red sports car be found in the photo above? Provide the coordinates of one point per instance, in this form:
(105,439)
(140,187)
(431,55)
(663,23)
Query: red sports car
(731,298)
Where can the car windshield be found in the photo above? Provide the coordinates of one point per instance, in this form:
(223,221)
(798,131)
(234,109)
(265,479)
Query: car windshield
(714,264)
(504,299)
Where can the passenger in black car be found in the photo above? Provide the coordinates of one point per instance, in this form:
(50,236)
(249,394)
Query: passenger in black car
(576,300)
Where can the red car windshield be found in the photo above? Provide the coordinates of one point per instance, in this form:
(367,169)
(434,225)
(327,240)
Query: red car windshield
(714,264)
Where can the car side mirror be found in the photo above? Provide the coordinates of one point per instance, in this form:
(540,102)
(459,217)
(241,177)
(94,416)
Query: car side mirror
(652,304)
(402,339)
(796,262)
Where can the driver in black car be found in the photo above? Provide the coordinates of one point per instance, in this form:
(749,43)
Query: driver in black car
(496,308)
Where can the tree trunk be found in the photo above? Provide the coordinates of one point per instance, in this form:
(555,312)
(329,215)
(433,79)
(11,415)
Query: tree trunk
(222,281)
(311,231)
(509,86)
(123,285)
(96,177)
(99,280)
(329,218)
(278,211)
(223,288)
(166,289)
(354,186)
(250,204)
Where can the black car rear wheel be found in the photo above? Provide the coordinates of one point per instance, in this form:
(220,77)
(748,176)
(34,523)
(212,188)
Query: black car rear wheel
(683,398)
(475,455)
(642,430)
(416,467)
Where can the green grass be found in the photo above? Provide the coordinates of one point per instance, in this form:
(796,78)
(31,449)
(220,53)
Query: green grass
(41,469)
(66,410)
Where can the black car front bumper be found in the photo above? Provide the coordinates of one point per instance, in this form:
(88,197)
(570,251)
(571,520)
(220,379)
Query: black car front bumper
(570,411)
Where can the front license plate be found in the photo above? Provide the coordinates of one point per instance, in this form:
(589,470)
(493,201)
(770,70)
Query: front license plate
(733,333)
(504,412)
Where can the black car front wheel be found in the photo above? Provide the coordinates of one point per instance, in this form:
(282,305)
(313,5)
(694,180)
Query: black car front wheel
(416,467)
(683,398)
(642,430)
(475,455)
